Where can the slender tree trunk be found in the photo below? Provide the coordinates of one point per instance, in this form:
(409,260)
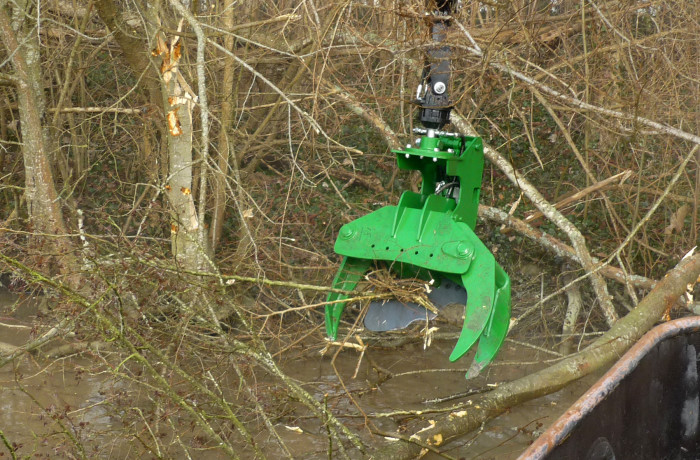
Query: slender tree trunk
(42,200)
(225,148)
(177,101)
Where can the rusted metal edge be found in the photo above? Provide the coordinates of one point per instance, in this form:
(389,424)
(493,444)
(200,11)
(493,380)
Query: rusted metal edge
(561,429)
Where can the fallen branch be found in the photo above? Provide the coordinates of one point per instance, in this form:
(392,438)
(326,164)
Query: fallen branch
(597,187)
(555,246)
(370,116)
(601,353)
(7,348)
(573,295)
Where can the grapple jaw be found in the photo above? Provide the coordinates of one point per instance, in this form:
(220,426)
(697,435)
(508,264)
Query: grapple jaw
(434,232)
(489,296)
(349,274)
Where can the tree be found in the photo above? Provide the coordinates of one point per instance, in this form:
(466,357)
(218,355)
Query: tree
(18,27)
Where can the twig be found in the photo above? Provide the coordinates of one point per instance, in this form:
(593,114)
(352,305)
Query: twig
(274,87)
(653,191)
(534,347)
(504,66)
(560,249)
(99,110)
(461,395)
(10,449)
(583,161)
(575,236)
(657,203)
(599,186)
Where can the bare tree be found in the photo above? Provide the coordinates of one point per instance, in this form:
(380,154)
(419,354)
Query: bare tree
(19,36)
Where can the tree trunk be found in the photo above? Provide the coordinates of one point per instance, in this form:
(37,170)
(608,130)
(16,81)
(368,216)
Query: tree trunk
(42,200)
(177,103)
(225,148)
(179,100)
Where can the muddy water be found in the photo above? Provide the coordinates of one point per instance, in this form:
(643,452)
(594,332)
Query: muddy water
(35,395)
(421,380)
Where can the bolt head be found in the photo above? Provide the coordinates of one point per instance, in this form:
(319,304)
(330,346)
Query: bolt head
(464,249)
(346,233)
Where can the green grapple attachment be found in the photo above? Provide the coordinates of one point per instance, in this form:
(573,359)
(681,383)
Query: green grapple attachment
(433,231)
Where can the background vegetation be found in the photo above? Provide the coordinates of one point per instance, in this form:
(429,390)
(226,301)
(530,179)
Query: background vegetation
(173,175)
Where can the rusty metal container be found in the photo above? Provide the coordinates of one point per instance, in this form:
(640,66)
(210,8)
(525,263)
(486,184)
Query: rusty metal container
(645,407)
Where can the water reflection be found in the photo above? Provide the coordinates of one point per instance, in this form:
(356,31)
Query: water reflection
(35,393)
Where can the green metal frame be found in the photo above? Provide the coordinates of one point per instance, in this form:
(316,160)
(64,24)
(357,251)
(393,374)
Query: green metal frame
(434,232)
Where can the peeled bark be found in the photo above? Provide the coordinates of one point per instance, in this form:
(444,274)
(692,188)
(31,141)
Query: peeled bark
(603,352)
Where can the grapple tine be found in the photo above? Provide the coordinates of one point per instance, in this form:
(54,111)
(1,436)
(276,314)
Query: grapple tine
(349,274)
(479,281)
(497,329)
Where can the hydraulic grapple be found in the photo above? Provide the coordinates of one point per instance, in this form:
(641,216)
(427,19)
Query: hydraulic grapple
(430,235)
(433,232)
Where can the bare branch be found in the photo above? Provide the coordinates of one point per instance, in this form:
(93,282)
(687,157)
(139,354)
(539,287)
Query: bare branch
(552,214)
